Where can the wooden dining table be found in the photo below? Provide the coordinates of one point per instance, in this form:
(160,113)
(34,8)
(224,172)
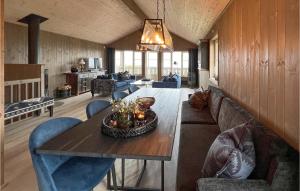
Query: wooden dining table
(86,139)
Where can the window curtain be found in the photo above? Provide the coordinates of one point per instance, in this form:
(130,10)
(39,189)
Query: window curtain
(110,60)
(193,68)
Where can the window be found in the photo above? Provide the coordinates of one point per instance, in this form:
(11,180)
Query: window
(118,65)
(167,63)
(214,60)
(130,61)
(176,62)
(151,65)
(137,63)
(185,64)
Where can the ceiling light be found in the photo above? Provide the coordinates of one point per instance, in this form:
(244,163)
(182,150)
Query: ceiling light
(155,34)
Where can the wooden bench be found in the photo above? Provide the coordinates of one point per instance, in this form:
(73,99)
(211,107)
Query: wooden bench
(27,106)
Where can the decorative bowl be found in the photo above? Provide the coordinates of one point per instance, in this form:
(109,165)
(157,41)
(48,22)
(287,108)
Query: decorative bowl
(146,102)
(139,127)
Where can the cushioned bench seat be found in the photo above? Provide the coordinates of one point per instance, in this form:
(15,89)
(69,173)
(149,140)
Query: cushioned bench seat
(277,164)
(190,115)
(195,141)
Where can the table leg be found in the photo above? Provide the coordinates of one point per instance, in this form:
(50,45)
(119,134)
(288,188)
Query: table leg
(108,184)
(114,178)
(50,108)
(123,171)
(136,187)
(141,174)
(162,175)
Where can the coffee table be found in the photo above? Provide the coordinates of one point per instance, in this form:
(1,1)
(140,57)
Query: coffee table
(87,140)
(143,83)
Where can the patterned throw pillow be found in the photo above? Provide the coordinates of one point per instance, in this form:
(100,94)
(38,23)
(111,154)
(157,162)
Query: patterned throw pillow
(199,99)
(231,155)
(123,76)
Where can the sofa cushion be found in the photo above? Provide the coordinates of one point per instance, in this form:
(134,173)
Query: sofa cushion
(225,184)
(195,141)
(232,115)
(286,175)
(190,115)
(267,146)
(120,84)
(214,101)
(231,155)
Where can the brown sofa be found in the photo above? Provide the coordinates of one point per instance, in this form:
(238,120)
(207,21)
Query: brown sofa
(276,163)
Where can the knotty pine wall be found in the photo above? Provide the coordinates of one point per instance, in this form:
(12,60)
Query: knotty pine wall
(1,94)
(259,61)
(57,52)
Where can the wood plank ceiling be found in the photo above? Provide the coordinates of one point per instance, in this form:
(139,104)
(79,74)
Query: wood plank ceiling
(105,21)
(99,21)
(190,19)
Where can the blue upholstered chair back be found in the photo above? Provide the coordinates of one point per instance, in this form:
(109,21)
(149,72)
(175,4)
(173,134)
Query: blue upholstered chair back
(96,106)
(132,88)
(117,95)
(45,165)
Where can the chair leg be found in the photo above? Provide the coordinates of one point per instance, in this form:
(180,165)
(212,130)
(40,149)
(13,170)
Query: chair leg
(114,177)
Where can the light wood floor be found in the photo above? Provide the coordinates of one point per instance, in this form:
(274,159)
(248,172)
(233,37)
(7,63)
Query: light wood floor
(19,173)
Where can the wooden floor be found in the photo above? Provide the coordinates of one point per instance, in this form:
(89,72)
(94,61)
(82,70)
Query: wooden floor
(19,173)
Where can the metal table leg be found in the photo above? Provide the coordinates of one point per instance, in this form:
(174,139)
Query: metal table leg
(108,184)
(123,172)
(136,187)
(162,175)
(141,174)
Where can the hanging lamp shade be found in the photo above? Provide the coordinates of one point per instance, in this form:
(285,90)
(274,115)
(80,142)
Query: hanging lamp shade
(155,36)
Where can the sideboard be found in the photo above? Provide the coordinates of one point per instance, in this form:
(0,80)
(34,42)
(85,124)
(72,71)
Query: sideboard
(81,81)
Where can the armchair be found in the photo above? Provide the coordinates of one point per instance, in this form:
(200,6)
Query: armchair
(110,83)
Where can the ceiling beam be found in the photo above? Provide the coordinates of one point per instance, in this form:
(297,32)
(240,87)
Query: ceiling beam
(135,8)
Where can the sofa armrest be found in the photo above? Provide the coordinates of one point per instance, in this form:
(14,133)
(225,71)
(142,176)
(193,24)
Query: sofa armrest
(223,184)
(133,77)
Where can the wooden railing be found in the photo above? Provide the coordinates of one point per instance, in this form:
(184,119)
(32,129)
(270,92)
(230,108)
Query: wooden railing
(23,81)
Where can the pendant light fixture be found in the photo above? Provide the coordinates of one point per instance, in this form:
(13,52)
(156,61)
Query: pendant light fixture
(155,34)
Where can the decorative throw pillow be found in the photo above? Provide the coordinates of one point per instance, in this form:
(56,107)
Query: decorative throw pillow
(199,99)
(231,155)
(123,76)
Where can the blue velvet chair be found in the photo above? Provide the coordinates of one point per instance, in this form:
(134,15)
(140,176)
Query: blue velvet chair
(132,88)
(95,107)
(118,95)
(65,173)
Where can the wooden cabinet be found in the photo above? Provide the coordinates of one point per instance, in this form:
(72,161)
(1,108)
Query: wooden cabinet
(81,82)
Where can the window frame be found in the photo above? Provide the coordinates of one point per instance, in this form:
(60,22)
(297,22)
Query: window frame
(214,60)
(172,61)
(122,61)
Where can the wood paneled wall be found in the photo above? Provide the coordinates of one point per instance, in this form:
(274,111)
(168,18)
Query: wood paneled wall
(57,52)
(1,93)
(259,61)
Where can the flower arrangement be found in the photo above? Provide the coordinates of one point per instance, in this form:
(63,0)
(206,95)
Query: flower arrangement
(128,114)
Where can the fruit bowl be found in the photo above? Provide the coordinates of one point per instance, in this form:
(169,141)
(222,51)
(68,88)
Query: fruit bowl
(146,102)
